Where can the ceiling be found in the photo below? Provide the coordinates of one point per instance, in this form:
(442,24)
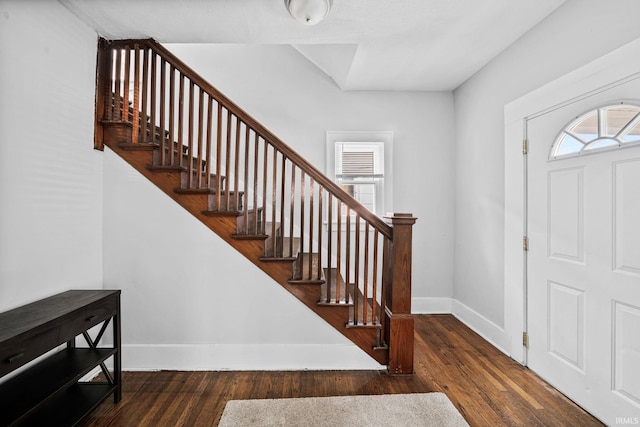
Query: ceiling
(431,45)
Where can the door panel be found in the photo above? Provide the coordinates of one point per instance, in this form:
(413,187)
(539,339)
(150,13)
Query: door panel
(583,293)
(626,206)
(565,231)
(566,324)
(626,352)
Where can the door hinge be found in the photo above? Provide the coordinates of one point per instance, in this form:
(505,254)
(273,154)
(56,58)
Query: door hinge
(525,339)
(525,243)
(525,146)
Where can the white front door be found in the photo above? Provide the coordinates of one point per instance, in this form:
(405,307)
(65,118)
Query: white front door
(583,266)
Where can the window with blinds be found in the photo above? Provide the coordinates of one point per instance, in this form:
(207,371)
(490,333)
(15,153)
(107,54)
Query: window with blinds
(359,169)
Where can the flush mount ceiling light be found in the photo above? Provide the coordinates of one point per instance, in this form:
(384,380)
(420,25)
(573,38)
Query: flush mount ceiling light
(309,12)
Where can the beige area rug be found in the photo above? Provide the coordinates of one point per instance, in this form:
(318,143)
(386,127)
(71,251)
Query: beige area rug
(396,410)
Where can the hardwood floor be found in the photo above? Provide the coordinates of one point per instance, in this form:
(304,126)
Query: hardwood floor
(487,387)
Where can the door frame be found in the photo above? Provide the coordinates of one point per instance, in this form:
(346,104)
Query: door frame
(610,70)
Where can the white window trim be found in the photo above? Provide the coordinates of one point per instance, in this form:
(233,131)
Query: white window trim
(385,137)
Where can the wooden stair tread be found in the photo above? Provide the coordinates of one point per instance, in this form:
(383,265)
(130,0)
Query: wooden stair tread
(182,190)
(237,213)
(240,236)
(142,146)
(115,122)
(167,168)
(306,281)
(211,191)
(233,213)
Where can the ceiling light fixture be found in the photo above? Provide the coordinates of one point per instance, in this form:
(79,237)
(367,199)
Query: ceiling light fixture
(309,12)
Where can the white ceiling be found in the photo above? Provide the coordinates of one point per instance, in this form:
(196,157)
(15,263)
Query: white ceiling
(431,45)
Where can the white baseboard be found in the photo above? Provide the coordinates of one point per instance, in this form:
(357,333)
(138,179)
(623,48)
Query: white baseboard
(484,327)
(245,357)
(290,357)
(431,305)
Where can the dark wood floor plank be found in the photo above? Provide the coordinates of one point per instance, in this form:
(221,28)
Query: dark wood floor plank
(486,386)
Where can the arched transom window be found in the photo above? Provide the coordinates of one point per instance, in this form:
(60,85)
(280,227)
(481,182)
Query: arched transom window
(605,128)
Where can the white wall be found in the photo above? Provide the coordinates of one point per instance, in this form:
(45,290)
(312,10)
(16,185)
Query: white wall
(185,289)
(50,176)
(575,34)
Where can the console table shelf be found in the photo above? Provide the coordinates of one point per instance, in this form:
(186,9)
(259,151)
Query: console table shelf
(71,406)
(48,391)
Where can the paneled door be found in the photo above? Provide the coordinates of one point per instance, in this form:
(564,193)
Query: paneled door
(583,259)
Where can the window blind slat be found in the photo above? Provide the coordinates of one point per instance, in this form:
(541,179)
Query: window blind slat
(357,163)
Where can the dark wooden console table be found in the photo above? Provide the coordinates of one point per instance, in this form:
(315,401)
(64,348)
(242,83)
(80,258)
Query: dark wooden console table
(49,391)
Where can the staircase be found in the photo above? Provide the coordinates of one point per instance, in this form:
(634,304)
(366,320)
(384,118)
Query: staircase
(346,264)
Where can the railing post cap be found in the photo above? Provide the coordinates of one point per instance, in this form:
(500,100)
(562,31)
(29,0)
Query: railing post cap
(400,218)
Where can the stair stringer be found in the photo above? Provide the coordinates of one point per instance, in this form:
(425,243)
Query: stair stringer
(253,250)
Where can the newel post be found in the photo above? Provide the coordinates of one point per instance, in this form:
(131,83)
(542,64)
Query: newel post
(397,282)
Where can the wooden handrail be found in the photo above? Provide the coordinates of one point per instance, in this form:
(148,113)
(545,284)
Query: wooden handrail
(276,142)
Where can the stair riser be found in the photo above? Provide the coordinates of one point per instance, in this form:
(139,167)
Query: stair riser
(288,249)
(310,273)
(224,205)
(203,183)
(304,271)
(157,160)
(253,223)
(273,237)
